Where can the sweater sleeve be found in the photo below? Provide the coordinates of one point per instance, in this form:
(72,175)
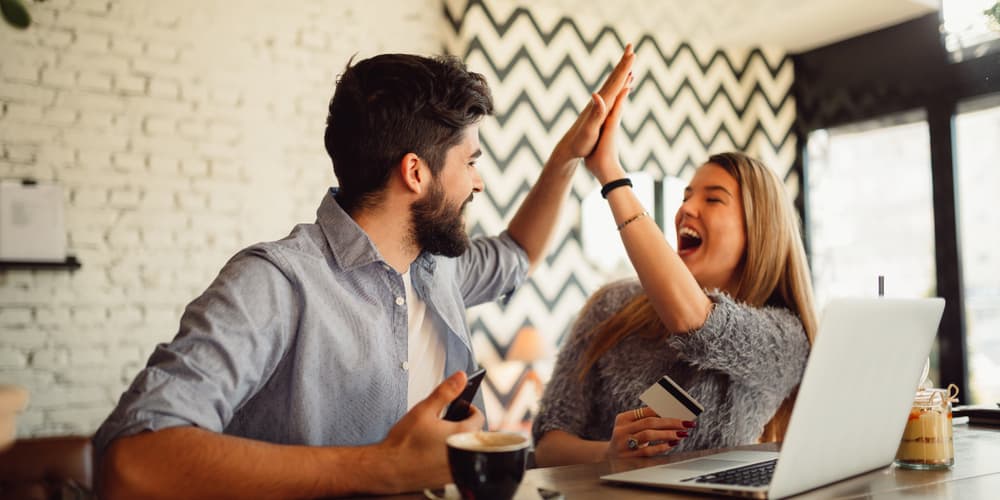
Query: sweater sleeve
(764,348)
(566,402)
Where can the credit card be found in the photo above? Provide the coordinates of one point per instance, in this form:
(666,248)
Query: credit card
(669,400)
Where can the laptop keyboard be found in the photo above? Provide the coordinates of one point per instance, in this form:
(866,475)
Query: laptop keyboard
(758,474)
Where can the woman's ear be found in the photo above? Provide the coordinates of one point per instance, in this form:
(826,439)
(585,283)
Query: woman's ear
(414,172)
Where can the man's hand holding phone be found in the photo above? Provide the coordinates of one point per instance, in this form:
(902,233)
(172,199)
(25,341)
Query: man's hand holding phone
(414,452)
(458,410)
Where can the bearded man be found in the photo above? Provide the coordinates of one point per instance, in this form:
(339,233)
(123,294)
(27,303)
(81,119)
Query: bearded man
(319,364)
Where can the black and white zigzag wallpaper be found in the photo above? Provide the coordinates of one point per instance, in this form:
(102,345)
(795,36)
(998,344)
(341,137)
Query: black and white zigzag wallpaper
(688,101)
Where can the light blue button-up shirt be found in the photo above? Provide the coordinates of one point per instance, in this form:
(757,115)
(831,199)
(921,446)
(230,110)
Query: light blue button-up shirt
(303,340)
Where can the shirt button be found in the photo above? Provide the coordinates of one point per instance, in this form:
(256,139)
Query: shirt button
(405,365)
(400,301)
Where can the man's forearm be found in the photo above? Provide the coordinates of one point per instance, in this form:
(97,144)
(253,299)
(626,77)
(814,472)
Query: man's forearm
(536,219)
(195,463)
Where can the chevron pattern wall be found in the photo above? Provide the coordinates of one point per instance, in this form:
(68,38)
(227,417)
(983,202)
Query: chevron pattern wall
(688,101)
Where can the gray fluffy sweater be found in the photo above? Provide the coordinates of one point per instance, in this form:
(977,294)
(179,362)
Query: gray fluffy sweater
(740,365)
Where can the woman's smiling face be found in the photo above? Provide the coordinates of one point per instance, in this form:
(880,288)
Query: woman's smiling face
(711,235)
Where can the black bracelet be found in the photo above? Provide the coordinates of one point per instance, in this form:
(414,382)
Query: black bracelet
(605,189)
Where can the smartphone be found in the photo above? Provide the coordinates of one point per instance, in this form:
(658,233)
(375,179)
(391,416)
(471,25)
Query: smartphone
(459,408)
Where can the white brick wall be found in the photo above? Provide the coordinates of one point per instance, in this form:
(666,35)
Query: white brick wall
(181,131)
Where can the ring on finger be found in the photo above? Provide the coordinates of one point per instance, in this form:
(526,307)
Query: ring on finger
(638,413)
(632,443)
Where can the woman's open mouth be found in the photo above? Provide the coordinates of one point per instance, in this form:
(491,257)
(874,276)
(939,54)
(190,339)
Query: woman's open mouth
(688,240)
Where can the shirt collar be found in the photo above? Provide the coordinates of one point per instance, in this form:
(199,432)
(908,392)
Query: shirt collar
(350,245)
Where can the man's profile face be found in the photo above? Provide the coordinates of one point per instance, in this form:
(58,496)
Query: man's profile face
(438,224)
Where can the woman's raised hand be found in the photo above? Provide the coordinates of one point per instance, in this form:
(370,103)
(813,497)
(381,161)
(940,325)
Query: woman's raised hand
(582,137)
(640,432)
(603,160)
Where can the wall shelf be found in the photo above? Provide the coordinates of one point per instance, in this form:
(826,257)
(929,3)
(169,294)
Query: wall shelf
(71,264)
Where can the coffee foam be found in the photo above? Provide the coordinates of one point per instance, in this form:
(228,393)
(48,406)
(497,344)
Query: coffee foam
(488,441)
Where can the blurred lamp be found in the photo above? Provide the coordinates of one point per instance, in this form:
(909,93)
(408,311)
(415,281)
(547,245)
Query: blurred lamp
(528,346)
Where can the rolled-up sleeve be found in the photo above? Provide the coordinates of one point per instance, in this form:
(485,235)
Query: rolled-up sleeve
(491,268)
(230,341)
(764,348)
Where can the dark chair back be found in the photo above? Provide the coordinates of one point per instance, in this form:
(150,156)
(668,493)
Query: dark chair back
(48,468)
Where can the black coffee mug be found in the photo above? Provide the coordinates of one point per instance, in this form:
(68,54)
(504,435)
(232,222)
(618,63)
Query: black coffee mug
(487,465)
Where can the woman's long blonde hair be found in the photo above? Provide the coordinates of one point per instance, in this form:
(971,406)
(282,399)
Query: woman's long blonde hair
(773,272)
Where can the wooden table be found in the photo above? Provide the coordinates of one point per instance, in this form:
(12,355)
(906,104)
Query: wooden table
(975,475)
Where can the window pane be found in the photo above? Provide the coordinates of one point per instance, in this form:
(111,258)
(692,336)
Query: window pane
(871,211)
(977,147)
(967,29)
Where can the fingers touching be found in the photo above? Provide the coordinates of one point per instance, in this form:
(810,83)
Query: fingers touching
(614,118)
(617,82)
(582,138)
(598,109)
(619,75)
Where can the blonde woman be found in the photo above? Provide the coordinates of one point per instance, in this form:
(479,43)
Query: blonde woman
(729,316)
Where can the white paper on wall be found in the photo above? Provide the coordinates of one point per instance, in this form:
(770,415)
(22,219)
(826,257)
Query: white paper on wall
(32,227)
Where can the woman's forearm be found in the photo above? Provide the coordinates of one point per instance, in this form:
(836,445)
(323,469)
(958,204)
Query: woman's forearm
(562,448)
(674,293)
(535,221)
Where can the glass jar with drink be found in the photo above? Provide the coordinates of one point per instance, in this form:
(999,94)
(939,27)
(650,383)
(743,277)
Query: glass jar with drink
(927,439)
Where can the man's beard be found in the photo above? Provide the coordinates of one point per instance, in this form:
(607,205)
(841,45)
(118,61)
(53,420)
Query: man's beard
(436,227)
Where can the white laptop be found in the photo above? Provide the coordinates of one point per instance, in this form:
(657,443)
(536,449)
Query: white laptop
(850,412)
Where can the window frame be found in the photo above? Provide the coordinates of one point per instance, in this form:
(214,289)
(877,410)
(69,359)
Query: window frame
(900,68)
(908,117)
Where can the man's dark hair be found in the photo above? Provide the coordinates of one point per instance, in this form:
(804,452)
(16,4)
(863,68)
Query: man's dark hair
(393,104)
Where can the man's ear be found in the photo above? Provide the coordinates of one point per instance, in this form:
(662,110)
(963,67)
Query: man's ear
(414,173)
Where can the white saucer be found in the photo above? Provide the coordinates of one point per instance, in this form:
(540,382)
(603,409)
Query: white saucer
(449,492)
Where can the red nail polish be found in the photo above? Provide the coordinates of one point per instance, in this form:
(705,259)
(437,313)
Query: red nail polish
(682,434)
(689,424)
(674,442)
